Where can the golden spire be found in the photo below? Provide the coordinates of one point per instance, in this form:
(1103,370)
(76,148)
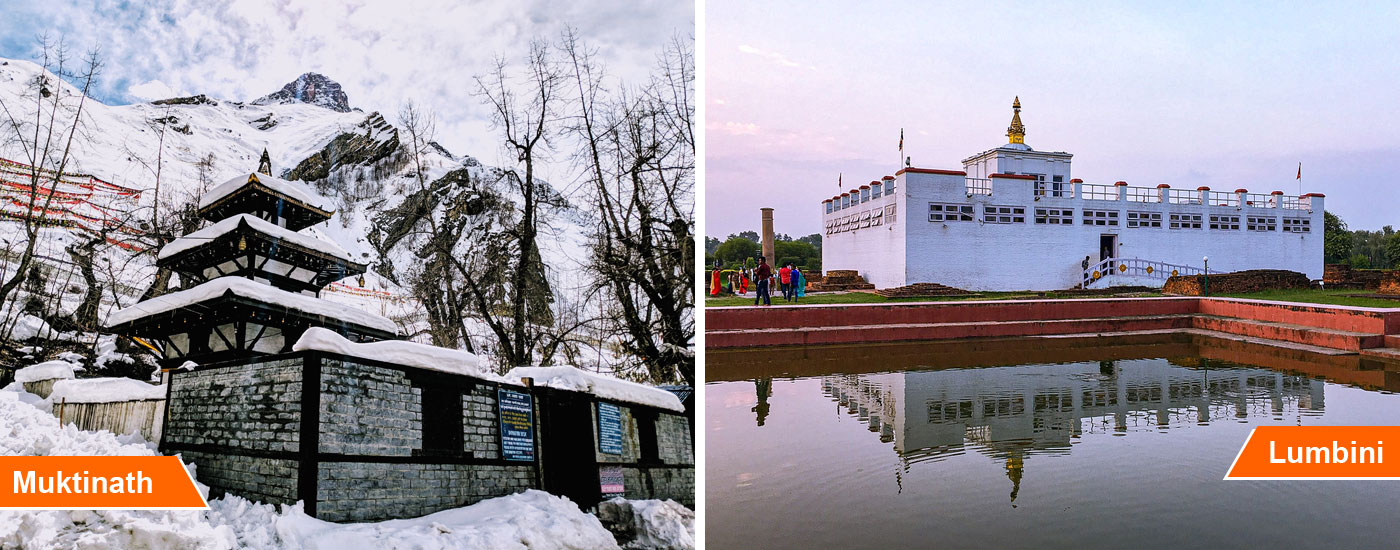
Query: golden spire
(1017,131)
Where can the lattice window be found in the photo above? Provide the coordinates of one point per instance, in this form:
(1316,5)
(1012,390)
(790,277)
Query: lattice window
(1185,221)
(890,213)
(1144,219)
(1101,217)
(1226,223)
(1297,225)
(1004,214)
(1262,223)
(941,212)
(1054,216)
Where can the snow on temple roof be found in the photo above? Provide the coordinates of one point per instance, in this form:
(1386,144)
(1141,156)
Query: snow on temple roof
(260,225)
(606,387)
(256,291)
(48,370)
(276,184)
(398,352)
(104,390)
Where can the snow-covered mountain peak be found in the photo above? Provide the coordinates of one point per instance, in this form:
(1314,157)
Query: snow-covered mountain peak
(313,88)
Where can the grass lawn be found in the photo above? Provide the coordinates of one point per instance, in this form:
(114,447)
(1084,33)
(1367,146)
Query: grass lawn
(872,298)
(1311,296)
(1317,296)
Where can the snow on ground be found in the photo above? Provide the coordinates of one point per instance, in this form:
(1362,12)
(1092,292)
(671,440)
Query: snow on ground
(652,523)
(104,390)
(531,520)
(606,387)
(48,370)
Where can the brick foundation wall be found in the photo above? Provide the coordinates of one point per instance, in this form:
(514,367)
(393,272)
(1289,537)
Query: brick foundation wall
(1390,284)
(1343,276)
(1238,282)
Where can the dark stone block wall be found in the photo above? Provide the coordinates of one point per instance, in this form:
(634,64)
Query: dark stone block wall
(356,453)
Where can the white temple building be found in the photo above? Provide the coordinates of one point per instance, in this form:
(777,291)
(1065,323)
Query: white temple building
(1014,219)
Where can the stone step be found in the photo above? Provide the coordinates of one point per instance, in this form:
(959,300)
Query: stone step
(1389,353)
(902,332)
(1313,336)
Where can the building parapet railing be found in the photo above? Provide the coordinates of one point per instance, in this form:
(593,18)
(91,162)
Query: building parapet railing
(1222,198)
(1096,192)
(1143,194)
(979,186)
(1183,196)
(1136,267)
(1058,190)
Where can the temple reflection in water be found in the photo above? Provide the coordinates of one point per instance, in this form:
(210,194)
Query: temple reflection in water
(1010,413)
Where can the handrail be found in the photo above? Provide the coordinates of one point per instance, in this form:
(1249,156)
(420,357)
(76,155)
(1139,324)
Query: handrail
(1137,267)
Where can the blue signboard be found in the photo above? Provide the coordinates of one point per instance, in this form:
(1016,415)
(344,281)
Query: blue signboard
(517,414)
(609,428)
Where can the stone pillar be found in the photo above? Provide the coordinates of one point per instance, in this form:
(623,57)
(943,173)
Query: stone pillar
(768,235)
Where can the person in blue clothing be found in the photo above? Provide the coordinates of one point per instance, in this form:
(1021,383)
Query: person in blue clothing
(799,284)
(761,277)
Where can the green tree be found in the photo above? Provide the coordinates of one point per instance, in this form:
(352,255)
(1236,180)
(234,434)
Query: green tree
(815,240)
(736,249)
(1336,239)
(750,235)
(798,253)
(1392,250)
(711,244)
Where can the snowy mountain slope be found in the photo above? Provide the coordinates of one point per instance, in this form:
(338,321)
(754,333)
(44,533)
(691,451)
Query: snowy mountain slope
(312,88)
(357,162)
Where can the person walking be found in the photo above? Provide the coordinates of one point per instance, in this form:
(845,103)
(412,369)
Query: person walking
(785,281)
(799,284)
(714,283)
(763,277)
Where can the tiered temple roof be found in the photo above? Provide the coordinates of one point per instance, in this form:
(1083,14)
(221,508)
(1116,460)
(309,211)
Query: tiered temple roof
(250,283)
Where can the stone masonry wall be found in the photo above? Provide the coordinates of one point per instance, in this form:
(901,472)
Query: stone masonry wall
(260,479)
(369,410)
(677,484)
(363,491)
(1238,282)
(480,426)
(674,439)
(254,407)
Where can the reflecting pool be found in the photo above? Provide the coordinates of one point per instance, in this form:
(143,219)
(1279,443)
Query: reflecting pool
(1108,444)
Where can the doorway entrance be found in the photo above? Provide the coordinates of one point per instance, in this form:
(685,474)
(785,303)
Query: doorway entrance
(1108,248)
(568,460)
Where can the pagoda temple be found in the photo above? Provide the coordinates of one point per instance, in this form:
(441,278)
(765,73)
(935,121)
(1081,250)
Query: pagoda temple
(250,283)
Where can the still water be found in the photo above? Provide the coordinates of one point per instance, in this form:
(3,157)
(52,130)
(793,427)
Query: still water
(1127,451)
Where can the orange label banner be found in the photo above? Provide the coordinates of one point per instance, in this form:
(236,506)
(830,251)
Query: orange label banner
(97,483)
(1319,452)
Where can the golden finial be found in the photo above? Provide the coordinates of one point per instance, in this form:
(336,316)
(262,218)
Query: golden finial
(1017,131)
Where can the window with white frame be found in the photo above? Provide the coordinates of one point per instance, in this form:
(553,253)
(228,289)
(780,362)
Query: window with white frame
(943,212)
(1003,214)
(874,190)
(865,219)
(1262,223)
(1297,225)
(1144,219)
(865,195)
(876,216)
(889,187)
(1223,222)
(1054,216)
(828,207)
(889,214)
(1185,221)
(845,201)
(1101,217)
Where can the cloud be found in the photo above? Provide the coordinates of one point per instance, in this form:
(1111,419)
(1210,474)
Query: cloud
(152,90)
(771,56)
(737,128)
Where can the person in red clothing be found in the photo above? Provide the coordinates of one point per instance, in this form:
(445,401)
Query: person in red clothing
(762,277)
(785,281)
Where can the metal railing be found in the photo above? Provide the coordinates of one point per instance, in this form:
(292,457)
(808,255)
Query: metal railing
(1259,200)
(1183,196)
(1136,267)
(1144,194)
(1222,198)
(1048,189)
(1095,192)
(979,186)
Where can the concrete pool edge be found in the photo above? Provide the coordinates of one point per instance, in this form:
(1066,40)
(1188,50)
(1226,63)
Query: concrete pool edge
(1350,329)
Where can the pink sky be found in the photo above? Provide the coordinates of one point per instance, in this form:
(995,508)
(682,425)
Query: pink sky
(1230,97)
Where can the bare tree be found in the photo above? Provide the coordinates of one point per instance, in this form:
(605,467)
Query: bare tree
(638,152)
(525,118)
(46,141)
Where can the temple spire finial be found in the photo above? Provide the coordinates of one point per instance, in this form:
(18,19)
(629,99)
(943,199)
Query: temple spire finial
(1017,131)
(265,163)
